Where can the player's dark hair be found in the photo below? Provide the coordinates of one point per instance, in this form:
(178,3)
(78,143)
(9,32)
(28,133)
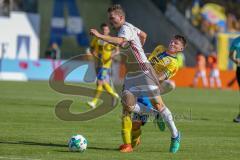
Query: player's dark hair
(117,8)
(182,39)
(104,25)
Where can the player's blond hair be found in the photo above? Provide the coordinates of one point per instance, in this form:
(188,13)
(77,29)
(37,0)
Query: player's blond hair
(117,8)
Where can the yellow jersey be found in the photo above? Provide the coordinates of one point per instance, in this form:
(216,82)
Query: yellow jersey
(104,51)
(163,62)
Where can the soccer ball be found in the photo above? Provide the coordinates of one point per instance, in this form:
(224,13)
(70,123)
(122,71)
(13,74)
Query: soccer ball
(77,143)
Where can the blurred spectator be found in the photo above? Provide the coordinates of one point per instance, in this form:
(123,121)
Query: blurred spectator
(200,70)
(214,71)
(196,13)
(53,52)
(212,17)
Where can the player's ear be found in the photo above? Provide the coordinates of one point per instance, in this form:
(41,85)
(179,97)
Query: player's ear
(182,47)
(121,17)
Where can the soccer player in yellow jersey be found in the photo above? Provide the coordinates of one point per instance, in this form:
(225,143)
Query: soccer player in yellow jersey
(165,64)
(104,52)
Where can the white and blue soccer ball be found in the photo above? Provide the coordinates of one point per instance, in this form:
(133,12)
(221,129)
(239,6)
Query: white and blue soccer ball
(77,143)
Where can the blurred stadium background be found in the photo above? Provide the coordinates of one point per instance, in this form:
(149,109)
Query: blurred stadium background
(36,36)
(209,26)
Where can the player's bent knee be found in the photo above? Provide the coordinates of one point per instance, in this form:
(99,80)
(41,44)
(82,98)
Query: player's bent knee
(167,86)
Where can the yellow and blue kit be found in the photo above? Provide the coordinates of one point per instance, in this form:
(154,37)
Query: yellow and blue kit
(163,62)
(104,51)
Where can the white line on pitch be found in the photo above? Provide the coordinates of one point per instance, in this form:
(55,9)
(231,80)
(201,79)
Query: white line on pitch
(16,158)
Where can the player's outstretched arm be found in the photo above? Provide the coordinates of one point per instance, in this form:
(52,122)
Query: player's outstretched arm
(107,38)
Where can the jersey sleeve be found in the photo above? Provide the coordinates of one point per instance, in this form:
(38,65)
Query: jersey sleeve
(157,50)
(125,32)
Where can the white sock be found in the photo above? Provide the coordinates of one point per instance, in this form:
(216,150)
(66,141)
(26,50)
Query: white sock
(137,108)
(168,118)
(195,81)
(141,108)
(219,83)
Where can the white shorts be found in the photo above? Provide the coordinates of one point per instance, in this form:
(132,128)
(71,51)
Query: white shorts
(200,74)
(141,84)
(214,73)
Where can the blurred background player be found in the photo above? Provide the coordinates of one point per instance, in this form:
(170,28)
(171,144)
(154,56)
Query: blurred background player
(214,71)
(103,52)
(53,52)
(164,62)
(234,55)
(200,70)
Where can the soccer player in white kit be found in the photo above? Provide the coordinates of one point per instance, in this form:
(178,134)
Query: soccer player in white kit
(141,83)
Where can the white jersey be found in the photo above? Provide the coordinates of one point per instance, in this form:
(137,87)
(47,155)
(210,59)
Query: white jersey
(145,82)
(131,34)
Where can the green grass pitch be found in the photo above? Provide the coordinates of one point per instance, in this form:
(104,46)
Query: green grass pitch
(29,128)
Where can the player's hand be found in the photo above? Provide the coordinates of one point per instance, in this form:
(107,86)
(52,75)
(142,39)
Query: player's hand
(94,32)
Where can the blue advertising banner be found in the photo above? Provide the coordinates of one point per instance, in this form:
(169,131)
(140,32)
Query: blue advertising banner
(71,26)
(42,70)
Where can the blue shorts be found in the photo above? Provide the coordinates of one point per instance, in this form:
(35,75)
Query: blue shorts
(145,101)
(102,73)
(142,117)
